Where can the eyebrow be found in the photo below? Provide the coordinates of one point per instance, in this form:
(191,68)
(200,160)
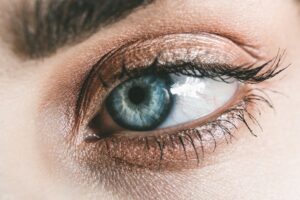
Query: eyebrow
(46,26)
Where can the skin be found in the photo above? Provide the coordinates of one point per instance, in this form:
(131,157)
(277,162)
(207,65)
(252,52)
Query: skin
(266,167)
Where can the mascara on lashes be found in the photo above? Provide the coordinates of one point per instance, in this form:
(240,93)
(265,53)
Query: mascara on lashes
(190,138)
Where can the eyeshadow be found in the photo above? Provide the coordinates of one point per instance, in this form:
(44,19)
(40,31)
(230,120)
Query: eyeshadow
(171,149)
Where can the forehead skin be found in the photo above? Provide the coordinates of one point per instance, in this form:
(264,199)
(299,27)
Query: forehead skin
(252,168)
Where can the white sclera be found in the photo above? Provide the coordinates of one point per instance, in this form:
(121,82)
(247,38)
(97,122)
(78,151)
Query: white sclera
(195,98)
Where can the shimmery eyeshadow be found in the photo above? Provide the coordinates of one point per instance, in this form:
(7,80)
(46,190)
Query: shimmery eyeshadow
(179,147)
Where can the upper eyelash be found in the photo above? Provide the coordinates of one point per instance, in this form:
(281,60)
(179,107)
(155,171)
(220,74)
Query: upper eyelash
(246,74)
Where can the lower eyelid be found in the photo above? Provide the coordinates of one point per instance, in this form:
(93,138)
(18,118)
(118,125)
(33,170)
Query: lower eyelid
(182,148)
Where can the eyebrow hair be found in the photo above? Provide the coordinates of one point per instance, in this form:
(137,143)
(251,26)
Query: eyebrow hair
(46,26)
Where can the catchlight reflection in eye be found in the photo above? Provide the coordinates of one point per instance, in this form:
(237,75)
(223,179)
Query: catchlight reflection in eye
(150,102)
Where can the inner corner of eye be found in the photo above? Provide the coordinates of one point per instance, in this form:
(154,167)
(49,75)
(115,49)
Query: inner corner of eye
(153,102)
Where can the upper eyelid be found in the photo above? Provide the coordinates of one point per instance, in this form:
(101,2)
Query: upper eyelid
(253,52)
(112,53)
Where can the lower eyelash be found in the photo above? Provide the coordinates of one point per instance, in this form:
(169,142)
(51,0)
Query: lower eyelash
(221,128)
(192,144)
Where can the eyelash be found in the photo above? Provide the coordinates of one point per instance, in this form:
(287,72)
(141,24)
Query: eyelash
(246,74)
(239,112)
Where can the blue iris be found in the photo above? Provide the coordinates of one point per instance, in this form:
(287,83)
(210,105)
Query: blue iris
(140,104)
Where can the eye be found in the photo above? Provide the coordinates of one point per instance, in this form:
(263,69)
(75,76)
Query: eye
(150,102)
(142,103)
(164,102)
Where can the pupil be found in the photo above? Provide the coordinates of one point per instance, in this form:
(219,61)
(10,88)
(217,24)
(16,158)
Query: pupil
(137,95)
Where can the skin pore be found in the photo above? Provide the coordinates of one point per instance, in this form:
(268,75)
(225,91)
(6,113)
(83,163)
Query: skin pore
(35,163)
